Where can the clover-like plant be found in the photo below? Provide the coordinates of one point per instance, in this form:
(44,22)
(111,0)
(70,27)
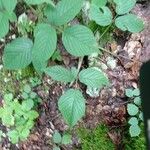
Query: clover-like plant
(135,112)
(17,117)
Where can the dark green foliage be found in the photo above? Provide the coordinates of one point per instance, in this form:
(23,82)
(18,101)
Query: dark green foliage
(96,139)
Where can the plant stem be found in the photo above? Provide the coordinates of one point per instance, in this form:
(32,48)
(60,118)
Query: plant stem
(117,56)
(78,70)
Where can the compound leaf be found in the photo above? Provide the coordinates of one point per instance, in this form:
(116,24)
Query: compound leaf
(79,41)
(102,16)
(17,54)
(124,6)
(93,77)
(72,106)
(124,23)
(60,73)
(64,11)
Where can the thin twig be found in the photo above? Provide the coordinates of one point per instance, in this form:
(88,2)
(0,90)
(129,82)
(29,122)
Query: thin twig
(117,56)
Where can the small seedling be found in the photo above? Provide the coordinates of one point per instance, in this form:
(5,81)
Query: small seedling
(61,140)
(134,110)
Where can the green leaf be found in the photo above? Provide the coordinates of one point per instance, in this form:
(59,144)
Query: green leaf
(33,95)
(72,106)
(7,119)
(56,148)
(57,137)
(13,135)
(137,101)
(59,73)
(124,6)
(133,121)
(9,5)
(102,16)
(79,41)
(4,25)
(37,2)
(45,42)
(134,130)
(99,3)
(132,109)
(17,54)
(129,93)
(93,77)
(136,92)
(64,11)
(8,98)
(124,23)
(27,88)
(25,95)
(141,116)
(27,104)
(66,139)
(24,133)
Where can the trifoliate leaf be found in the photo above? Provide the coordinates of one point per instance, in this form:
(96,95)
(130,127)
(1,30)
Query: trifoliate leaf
(64,11)
(137,101)
(102,16)
(125,24)
(129,93)
(4,25)
(57,137)
(72,106)
(93,77)
(133,121)
(79,41)
(134,130)
(66,139)
(17,54)
(136,92)
(132,109)
(99,3)
(124,6)
(45,42)
(59,73)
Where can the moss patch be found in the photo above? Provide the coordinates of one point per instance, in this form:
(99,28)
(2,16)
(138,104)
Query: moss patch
(135,143)
(96,139)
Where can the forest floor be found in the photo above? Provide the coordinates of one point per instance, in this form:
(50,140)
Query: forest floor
(125,55)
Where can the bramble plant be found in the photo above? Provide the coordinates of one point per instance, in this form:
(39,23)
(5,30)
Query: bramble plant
(134,110)
(78,40)
(18,117)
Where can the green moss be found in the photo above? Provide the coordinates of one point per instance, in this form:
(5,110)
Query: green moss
(96,139)
(135,143)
